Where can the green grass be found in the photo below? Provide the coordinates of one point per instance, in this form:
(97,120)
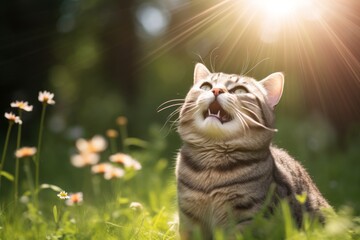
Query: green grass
(106,211)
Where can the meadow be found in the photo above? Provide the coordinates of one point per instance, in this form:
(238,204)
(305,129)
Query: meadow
(91,159)
(114,186)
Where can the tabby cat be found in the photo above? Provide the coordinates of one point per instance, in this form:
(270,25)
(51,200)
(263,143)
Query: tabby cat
(227,163)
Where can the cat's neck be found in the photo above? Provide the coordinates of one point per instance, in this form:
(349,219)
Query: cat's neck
(250,143)
(212,155)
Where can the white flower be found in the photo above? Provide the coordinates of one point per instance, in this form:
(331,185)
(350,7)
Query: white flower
(63,195)
(22,105)
(125,159)
(83,159)
(25,152)
(46,97)
(24,199)
(94,145)
(13,118)
(136,206)
(101,168)
(114,172)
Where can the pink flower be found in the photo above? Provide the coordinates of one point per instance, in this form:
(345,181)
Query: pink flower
(74,198)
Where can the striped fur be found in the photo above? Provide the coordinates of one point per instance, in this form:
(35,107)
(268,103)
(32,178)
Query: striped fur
(227,164)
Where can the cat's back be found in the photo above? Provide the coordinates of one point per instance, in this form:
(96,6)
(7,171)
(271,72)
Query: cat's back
(292,179)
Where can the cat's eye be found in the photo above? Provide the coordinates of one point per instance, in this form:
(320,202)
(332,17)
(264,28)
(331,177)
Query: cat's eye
(206,86)
(239,90)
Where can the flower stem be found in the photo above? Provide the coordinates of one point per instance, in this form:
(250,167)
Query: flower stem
(123,133)
(113,147)
(29,176)
(37,157)
(5,148)
(18,142)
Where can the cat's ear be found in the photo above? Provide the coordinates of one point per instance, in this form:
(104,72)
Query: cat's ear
(274,85)
(200,72)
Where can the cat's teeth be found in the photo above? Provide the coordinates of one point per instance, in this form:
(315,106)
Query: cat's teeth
(218,114)
(209,112)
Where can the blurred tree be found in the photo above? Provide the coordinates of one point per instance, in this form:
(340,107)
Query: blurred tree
(27,29)
(120,44)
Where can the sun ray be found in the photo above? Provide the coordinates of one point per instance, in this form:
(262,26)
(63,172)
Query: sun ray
(189,28)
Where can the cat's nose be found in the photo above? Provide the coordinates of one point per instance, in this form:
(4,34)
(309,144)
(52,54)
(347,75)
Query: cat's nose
(217,91)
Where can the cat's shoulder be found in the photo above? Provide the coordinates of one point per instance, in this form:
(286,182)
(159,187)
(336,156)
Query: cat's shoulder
(281,156)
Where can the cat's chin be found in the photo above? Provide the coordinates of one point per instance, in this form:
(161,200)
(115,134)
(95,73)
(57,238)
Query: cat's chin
(213,127)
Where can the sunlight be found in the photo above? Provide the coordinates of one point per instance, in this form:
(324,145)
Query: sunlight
(276,9)
(278,15)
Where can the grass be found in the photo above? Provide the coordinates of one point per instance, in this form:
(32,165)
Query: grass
(141,204)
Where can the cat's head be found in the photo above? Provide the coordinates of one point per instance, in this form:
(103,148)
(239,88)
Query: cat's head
(226,107)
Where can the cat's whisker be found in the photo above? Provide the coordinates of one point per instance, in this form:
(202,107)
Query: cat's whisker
(257,123)
(252,104)
(265,59)
(170,106)
(246,63)
(174,124)
(191,106)
(172,114)
(244,125)
(170,101)
(242,120)
(237,112)
(243,115)
(196,112)
(252,112)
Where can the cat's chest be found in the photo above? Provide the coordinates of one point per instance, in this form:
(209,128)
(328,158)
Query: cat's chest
(213,173)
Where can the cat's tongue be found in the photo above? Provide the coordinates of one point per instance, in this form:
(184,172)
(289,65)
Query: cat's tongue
(215,110)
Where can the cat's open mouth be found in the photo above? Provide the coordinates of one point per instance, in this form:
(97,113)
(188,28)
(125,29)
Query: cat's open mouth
(215,110)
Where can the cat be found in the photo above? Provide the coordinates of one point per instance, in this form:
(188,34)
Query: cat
(227,164)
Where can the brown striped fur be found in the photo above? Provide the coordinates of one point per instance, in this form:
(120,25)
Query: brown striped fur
(227,163)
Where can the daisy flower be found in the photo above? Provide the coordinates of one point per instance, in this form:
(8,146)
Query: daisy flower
(114,172)
(22,105)
(63,195)
(136,206)
(13,118)
(126,160)
(25,152)
(46,97)
(101,168)
(94,145)
(74,198)
(83,159)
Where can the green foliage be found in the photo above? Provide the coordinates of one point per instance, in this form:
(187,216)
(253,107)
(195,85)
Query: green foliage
(7,175)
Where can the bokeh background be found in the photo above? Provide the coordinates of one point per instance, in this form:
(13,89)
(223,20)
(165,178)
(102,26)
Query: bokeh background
(103,59)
